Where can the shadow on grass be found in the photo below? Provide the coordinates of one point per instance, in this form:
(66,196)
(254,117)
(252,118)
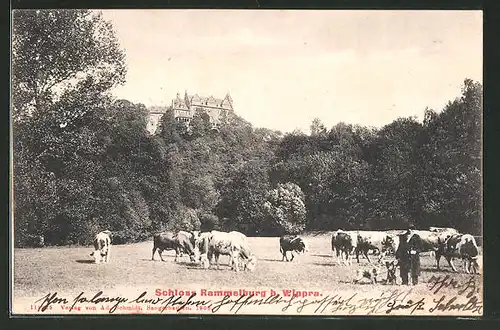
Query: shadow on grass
(85,261)
(186,263)
(435,270)
(213,269)
(267,259)
(321,255)
(323,264)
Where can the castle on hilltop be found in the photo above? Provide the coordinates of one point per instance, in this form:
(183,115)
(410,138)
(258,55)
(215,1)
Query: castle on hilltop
(185,108)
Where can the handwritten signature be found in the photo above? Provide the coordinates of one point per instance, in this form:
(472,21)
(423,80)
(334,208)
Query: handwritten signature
(470,287)
(388,302)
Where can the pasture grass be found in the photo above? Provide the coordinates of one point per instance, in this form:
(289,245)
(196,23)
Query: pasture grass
(66,269)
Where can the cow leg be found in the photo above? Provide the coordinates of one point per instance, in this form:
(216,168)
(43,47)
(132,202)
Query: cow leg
(160,251)
(153,254)
(337,255)
(365,253)
(438,257)
(217,260)
(292,255)
(450,262)
(340,257)
(474,266)
(234,261)
(107,255)
(357,255)
(466,265)
(283,253)
(177,254)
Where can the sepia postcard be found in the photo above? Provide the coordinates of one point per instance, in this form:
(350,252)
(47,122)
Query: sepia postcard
(244,162)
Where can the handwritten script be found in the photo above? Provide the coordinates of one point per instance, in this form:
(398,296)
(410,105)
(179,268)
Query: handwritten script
(443,295)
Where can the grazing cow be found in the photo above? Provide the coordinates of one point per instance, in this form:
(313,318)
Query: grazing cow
(102,247)
(374,240)
(462,246)
(432,241)
(343,243)
(235,245)
(245,239)
(185,243)
(163,242)
(291,243)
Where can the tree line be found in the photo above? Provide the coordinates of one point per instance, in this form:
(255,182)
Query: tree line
(84,161)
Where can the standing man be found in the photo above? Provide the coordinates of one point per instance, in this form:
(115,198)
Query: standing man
(403,256)
(415,246)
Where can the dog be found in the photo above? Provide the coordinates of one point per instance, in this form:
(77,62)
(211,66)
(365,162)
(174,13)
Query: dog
(371,273)
(391,267)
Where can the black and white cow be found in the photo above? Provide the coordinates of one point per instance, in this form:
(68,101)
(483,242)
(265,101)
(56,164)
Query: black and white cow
(462,246)
(102,247)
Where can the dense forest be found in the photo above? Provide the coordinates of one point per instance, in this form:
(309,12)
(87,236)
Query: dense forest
(84,161)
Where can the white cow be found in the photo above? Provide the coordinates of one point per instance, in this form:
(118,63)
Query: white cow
(234,244)
(381,241)
(451,231)
(102,247)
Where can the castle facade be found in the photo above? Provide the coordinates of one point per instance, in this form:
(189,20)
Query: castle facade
(186,107)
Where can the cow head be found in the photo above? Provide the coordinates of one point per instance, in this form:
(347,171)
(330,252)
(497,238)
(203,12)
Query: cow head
(303,247)
(97,254)
(205,263)
(299,244)
(251,263)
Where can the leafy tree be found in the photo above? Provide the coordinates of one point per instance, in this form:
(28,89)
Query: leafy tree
(54,50)
(285,206)
(448,162)
(242,198)
(318,128)
(391,183)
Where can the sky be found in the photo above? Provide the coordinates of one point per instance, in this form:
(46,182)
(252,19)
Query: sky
(284,68)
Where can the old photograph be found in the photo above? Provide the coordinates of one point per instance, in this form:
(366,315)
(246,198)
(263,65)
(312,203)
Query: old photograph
(243,162)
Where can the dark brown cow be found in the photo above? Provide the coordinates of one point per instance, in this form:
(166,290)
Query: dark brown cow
(291,243)
(163,242)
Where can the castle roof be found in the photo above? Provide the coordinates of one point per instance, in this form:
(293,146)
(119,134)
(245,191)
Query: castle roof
(196,99)
(157,109)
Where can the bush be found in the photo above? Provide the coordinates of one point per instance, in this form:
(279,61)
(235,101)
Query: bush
(285,206)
